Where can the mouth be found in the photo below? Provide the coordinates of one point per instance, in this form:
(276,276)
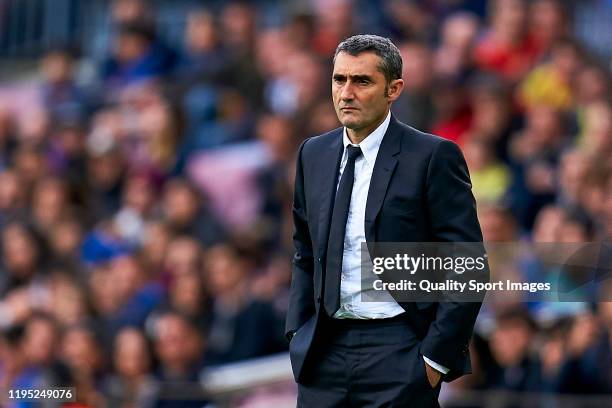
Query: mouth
(349,109)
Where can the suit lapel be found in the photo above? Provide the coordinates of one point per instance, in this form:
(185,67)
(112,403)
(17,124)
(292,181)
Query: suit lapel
(329,166)
(381,175)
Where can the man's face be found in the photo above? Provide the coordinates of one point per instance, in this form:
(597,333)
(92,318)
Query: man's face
(358,91)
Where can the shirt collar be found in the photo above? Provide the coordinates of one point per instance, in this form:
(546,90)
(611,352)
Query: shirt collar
(370,145)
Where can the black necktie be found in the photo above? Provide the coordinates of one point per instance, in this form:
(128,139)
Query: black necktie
(335,245)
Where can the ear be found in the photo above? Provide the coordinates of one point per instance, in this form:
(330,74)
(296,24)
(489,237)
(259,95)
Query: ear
(395,89)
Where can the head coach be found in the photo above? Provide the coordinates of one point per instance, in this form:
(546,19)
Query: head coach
(374,180)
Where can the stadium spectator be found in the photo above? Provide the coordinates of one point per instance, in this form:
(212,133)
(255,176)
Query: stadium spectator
(507,48)
(242,326)
(510,345)
(551,83)
(178,346)
(136,56)
(415,104)
(81,352)
(132,383)
(452,58)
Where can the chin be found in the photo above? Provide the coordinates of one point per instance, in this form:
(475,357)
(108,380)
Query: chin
(350,123)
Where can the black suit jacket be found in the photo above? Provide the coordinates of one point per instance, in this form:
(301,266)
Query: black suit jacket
(420,191)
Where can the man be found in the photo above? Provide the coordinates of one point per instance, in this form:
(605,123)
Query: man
(374,180)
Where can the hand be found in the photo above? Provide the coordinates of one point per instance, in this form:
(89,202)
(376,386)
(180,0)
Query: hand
(433,375)
(583,334)
(18,303)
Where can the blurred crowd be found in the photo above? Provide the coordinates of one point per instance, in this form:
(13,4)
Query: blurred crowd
(145,192)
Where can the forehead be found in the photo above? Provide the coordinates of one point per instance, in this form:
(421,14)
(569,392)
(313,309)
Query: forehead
(365,63)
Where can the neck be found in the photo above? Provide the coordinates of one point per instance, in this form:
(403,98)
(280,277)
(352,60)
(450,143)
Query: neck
(357,136)
(176,370)
(133,382)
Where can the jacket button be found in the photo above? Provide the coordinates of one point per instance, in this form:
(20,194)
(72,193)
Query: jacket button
(319,259)
(318,299)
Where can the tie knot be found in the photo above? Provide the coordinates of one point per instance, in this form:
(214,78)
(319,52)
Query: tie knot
(353,152)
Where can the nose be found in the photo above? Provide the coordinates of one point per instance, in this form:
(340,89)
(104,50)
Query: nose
(346,93)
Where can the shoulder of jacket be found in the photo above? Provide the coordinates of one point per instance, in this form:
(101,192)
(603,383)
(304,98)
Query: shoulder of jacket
(321,141)
(427,143)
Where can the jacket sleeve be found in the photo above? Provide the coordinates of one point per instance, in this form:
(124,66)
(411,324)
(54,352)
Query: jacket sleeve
(452,216)
(301,296)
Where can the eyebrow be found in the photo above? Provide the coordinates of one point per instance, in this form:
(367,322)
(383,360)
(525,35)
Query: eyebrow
(353,77)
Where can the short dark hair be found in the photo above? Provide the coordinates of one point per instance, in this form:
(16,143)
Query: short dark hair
(138,29)
(391,59)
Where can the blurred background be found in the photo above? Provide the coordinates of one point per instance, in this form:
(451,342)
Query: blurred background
(147,152)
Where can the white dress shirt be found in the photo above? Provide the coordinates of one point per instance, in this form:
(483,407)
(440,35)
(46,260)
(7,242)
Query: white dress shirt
(351,288)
